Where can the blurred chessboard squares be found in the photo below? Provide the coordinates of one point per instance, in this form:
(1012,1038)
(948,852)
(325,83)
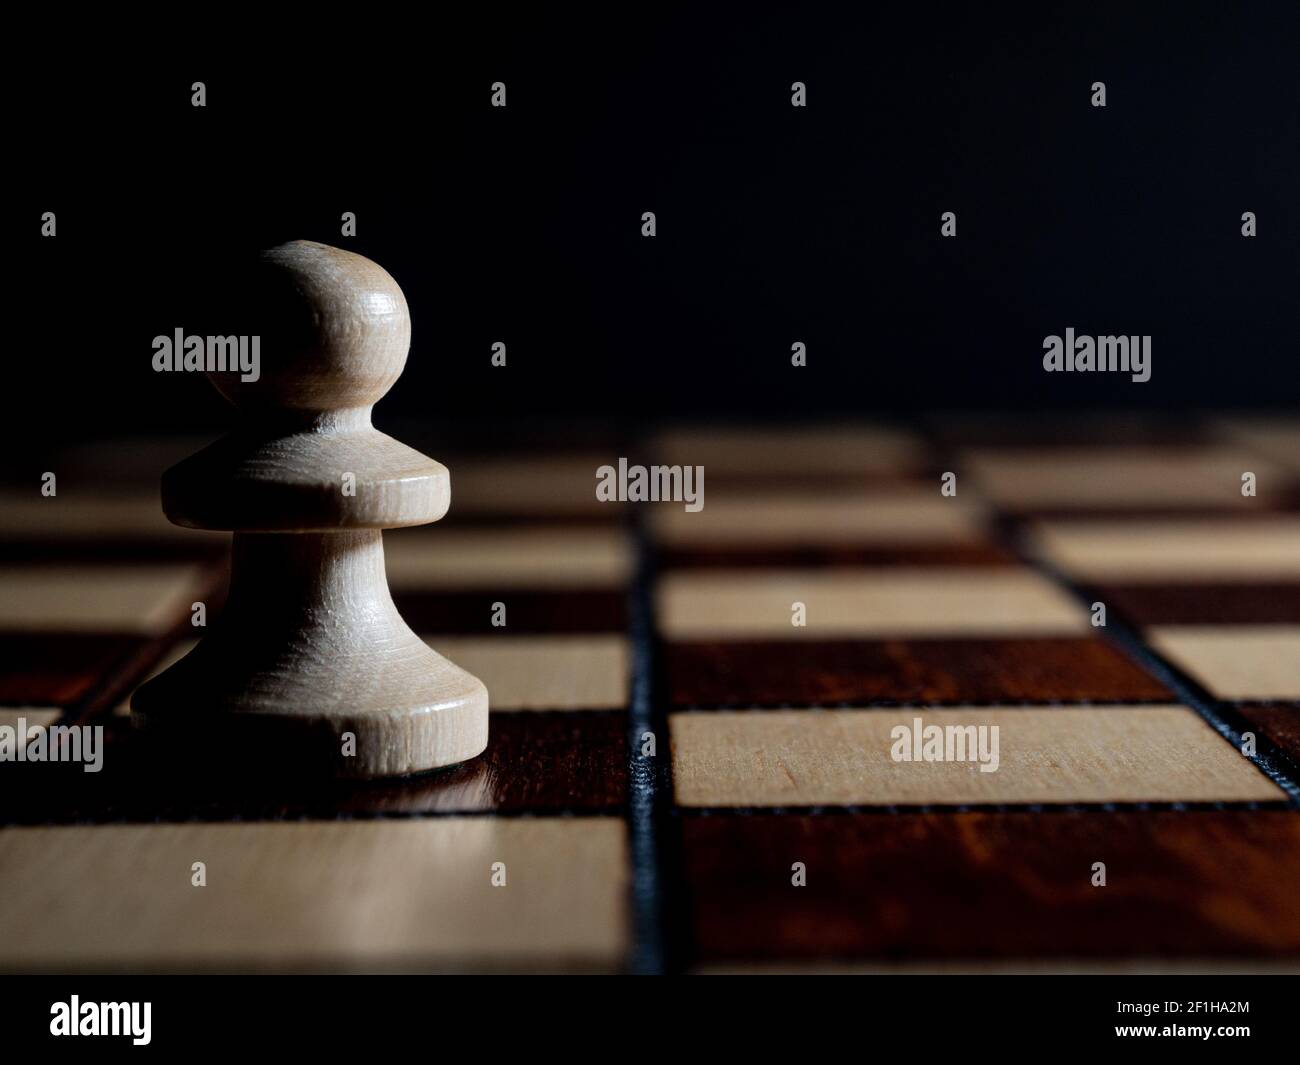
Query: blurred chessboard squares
(359,895)
(1259,662)
(884,889)
(534,578)
(516,557)
(778,452)
(910,516)
(807,556)
(93,523)
(799,758)
(1063,430)
(122,464)
(61,669)
(34,716)
(124,599)
(1019,479)
(1048,966)
(587,672)
(1276,438)
(1149,552)
(1203,602)
(522,487)
(934,601)
(88,515)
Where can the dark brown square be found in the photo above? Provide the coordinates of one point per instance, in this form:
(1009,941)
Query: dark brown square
(542,763)
(1219,603)
(60,669)
(819,673)
(894,887)
(470,613)
(1279,722)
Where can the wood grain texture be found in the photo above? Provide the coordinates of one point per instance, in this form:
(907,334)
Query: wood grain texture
(1121,476)
(895,517)
(936,602)
(1159,552)
(309,649)
(1203,603)
(276,479)
(547,672)
(995,885)
(831,672)
(358,895)
(141,600)
(335,330)
(916,892)
(1236,661)
(1045,755)
(311,656)
(537,764)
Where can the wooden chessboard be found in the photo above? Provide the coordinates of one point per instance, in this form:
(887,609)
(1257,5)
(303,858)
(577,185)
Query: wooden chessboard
(631,625)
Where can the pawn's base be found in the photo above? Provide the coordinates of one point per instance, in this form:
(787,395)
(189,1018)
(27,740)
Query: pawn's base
(312,668)
(408,716)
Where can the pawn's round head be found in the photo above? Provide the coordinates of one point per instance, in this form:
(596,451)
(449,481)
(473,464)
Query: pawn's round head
(333,331)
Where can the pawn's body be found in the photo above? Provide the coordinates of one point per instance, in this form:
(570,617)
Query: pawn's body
(311,664)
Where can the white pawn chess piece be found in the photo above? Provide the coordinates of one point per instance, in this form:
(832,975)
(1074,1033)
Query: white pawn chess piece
(310,665)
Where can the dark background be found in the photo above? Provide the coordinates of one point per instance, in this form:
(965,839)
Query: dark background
(775,224)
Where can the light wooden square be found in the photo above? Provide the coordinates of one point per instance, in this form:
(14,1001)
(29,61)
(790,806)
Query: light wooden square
(73,515)
(1276,438)
(905,516)
(544,672)
(1046,755)
(549,485)
(34,716)
(884,603)
(1235,661)
(1163,551)
(1122,477)
(363,895)
(131,599)
(538,557)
